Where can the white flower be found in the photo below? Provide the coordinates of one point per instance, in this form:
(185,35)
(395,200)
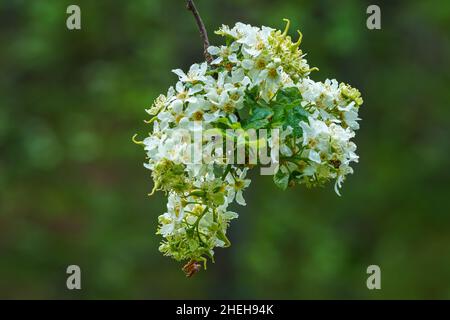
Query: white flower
(248,35)
(237,185)
(195,74)
(239,79)
(227,53)
(172,218)
(186,95)
(312,130)
(226,31)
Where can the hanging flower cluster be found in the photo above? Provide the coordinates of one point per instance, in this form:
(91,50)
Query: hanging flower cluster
(258,81)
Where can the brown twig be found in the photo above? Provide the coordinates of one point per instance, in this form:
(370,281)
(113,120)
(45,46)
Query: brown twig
(201,27)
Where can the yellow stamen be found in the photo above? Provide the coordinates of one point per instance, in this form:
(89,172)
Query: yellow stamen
(300,37)
(151,120)
(155,187)
(288,24)
(137,141)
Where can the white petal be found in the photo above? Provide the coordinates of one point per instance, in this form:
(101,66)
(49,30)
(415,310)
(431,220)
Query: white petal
(240,199)
(233,58)
(217,60)
(213,50)
(314,156)
(167,229)
(179,73)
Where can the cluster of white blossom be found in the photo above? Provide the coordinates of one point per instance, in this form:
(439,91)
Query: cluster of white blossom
(258,80)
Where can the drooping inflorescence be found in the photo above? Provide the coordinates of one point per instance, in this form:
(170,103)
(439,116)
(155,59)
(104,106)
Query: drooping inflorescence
(258,82)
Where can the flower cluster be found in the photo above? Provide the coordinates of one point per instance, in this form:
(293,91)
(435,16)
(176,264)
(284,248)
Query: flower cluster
(258,80)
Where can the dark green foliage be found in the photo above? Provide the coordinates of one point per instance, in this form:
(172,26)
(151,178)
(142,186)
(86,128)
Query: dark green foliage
(285,109)
(288,110)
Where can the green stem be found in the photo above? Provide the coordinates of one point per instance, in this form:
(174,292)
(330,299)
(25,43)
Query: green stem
(198,222)
(227,169)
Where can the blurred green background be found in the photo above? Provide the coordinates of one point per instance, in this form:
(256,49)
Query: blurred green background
(73,189)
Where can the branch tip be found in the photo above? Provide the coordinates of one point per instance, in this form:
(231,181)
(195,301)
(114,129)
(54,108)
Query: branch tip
(190,5)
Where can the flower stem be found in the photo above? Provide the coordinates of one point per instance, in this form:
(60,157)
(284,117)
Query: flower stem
(201,27)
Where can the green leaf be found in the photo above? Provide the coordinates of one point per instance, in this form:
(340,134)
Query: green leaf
(281,179)
(293,118)
(217,198)
(259,110)
(224,121)
(279,116)
(285,109)
(288,110)
(257,124)
(251,97)
(289,96)
(259,113)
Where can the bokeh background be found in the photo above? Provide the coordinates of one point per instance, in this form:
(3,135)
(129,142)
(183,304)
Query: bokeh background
(73,189)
